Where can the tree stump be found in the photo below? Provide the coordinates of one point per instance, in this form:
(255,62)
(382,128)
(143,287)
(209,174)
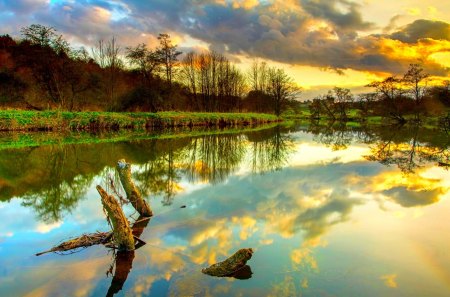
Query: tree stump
(122,233)
(230,265)
(133,194)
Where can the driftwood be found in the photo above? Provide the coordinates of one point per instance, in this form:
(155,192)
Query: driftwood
(83,241)
(133,194)
(122,234)
(231,265)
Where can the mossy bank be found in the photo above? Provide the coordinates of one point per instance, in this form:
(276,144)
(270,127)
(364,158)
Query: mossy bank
(17,120)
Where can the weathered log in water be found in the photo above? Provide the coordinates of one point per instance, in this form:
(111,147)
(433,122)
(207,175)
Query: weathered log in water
(230,265)
(123,237)
(83,241)
(133,194)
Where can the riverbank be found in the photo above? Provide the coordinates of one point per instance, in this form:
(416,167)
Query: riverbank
(20,120)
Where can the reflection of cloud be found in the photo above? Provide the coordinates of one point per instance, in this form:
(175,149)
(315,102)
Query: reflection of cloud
(247,225)
(304,257)
(406,190)
(78,279)
(285,288)
(390,280)
(410,198)
(266,241)
(143,284)
(45,228)
(165,260)
(309,154)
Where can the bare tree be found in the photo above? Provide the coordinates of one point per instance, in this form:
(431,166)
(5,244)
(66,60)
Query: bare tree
(416,79)
(189,75)
(258,76)
(168,55)
(107,56)
(281,88)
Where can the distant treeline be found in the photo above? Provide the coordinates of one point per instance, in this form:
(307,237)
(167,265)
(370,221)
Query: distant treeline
(42,71)
(399,98)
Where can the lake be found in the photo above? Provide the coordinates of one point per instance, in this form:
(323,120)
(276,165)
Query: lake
(329,210)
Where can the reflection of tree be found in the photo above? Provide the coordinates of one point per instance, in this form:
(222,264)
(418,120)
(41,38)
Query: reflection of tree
(213,158)
(124,261)
(53,178)
(338,137)
(160,175)
(123,264)
(270,149)
(404,148)
(51,203)
(61,193)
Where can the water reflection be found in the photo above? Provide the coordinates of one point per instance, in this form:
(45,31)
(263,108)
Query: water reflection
(123,262)
(329,217)
(270,149)
(52,179)
(410,148)
(407,147)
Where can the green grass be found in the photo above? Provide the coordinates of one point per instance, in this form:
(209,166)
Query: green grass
(19,120)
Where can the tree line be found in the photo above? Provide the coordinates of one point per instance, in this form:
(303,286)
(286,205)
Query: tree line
(42,71)
(394,97)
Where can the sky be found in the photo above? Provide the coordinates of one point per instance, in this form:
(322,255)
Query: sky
(321,43)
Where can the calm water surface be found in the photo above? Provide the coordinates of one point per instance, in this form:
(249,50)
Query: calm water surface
(328,211)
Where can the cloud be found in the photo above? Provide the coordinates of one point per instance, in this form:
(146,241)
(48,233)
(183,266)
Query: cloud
(323,34)
(344,14)
(24,6)
(423,29)
(392,23)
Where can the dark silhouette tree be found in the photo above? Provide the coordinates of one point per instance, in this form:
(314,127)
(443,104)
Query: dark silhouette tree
(168,55)
(416,80)
(390,91)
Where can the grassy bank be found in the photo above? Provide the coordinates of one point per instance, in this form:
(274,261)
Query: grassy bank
(18,120)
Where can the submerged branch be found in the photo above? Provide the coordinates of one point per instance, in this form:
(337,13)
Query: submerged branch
(83,241)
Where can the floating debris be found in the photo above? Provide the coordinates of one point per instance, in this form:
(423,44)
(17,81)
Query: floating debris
(231,265)
(83,241)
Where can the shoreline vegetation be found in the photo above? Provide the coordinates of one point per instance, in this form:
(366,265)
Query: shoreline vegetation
(47,85)
(19,120)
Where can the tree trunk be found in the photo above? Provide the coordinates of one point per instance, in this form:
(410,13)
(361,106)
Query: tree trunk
(122,233)
(133,194)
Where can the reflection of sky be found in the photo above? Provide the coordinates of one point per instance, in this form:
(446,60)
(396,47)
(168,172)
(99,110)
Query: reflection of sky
(328,223)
